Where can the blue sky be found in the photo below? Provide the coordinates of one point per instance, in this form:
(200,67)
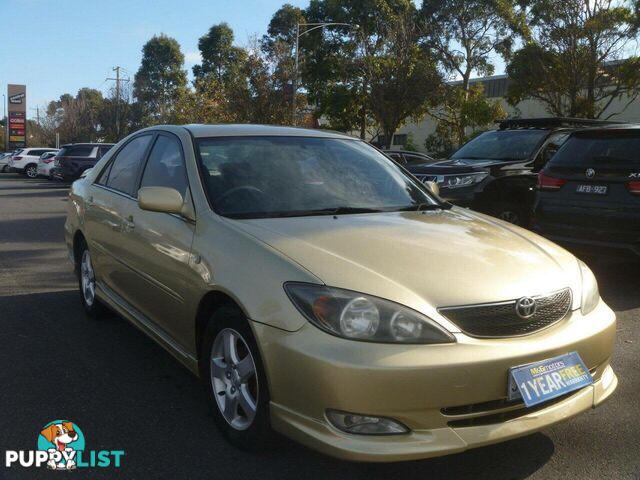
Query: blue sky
(59,46)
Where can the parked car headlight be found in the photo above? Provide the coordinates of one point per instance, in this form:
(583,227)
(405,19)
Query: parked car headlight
(358,316)
(590,293)
(459,181)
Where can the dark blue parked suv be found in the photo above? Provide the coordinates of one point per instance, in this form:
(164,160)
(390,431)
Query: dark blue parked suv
(75,158)
(589,192)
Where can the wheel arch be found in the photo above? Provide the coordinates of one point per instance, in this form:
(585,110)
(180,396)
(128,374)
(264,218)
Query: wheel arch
(209,303)
(508,189)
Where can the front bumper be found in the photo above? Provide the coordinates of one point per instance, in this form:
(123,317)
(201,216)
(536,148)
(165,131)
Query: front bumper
(452,397)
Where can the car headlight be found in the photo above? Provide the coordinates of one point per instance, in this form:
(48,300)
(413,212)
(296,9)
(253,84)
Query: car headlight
(357,316)
(459,181)
(590,293)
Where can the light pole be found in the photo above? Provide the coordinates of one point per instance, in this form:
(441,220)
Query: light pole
(6,123)
(312,27)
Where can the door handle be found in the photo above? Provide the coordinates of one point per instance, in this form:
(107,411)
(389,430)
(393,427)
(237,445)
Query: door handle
(128,223)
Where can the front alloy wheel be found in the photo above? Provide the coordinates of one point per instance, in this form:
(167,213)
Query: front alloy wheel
(233,379)
(233,375)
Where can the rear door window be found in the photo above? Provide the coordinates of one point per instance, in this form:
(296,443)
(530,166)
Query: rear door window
(123,171)
(76,151)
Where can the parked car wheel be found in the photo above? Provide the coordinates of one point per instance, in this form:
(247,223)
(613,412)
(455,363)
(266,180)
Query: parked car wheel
(87,283)
(235,381)
(5,168)
(31,170)
(510,212)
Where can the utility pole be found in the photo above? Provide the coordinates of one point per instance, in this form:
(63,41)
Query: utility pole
(118,80)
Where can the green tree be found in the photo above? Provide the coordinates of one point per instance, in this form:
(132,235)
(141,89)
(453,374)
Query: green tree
(401,75)
(337,62)
(220,57)
(465,33)
(278,48)
(160,79)
(578,61)
(459,115)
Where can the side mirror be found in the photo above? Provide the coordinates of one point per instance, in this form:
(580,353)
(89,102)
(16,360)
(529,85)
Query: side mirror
(160,199)
(433,186)
(86,172)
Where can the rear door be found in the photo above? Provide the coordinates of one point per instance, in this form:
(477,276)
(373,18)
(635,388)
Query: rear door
(598,168)
(109,202)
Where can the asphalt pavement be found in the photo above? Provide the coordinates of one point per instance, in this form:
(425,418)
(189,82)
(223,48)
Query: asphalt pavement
(126,393)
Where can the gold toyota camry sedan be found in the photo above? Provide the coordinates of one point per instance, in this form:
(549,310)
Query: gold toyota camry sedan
(321,291)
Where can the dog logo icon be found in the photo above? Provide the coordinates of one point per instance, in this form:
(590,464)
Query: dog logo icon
(62,440)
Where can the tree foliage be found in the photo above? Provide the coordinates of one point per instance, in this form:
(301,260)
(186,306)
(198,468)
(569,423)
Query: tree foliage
(161,79)
(578,60)
(459,115)
(402,76)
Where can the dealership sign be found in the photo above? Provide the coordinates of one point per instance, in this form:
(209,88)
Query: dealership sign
(17,95)
(17,99)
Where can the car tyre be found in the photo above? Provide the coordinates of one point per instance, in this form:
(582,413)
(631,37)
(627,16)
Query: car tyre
(87,283)
(31,171)
(5,168)
(235,382)
(510,212)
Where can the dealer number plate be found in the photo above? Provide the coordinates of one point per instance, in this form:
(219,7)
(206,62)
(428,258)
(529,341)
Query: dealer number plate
(541,381)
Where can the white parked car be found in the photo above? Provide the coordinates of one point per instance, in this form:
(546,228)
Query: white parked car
(26,160)
(4,162)
(45,163)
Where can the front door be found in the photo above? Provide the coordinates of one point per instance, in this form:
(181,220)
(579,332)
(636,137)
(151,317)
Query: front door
(159,247)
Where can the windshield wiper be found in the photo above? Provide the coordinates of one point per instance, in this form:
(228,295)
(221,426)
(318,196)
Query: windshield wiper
(324,211)
(423,207)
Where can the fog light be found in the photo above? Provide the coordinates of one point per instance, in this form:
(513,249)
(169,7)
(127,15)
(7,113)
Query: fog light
(365,424)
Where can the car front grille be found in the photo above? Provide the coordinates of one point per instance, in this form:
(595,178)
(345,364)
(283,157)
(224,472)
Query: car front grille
(502,320)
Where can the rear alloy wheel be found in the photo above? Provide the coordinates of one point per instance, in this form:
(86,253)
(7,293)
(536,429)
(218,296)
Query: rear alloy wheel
(87,284)
(234,378)
(31,171)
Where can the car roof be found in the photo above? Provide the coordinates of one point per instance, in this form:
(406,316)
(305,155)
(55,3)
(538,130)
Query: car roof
(241,130)
(408,152)
(96,144)
(610,128)
(553,123)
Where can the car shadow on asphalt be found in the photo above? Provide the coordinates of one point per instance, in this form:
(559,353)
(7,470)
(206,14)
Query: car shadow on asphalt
(126,393)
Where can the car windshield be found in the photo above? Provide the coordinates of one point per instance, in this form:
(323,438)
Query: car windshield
(502,145)
(611,148)
(258,177)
